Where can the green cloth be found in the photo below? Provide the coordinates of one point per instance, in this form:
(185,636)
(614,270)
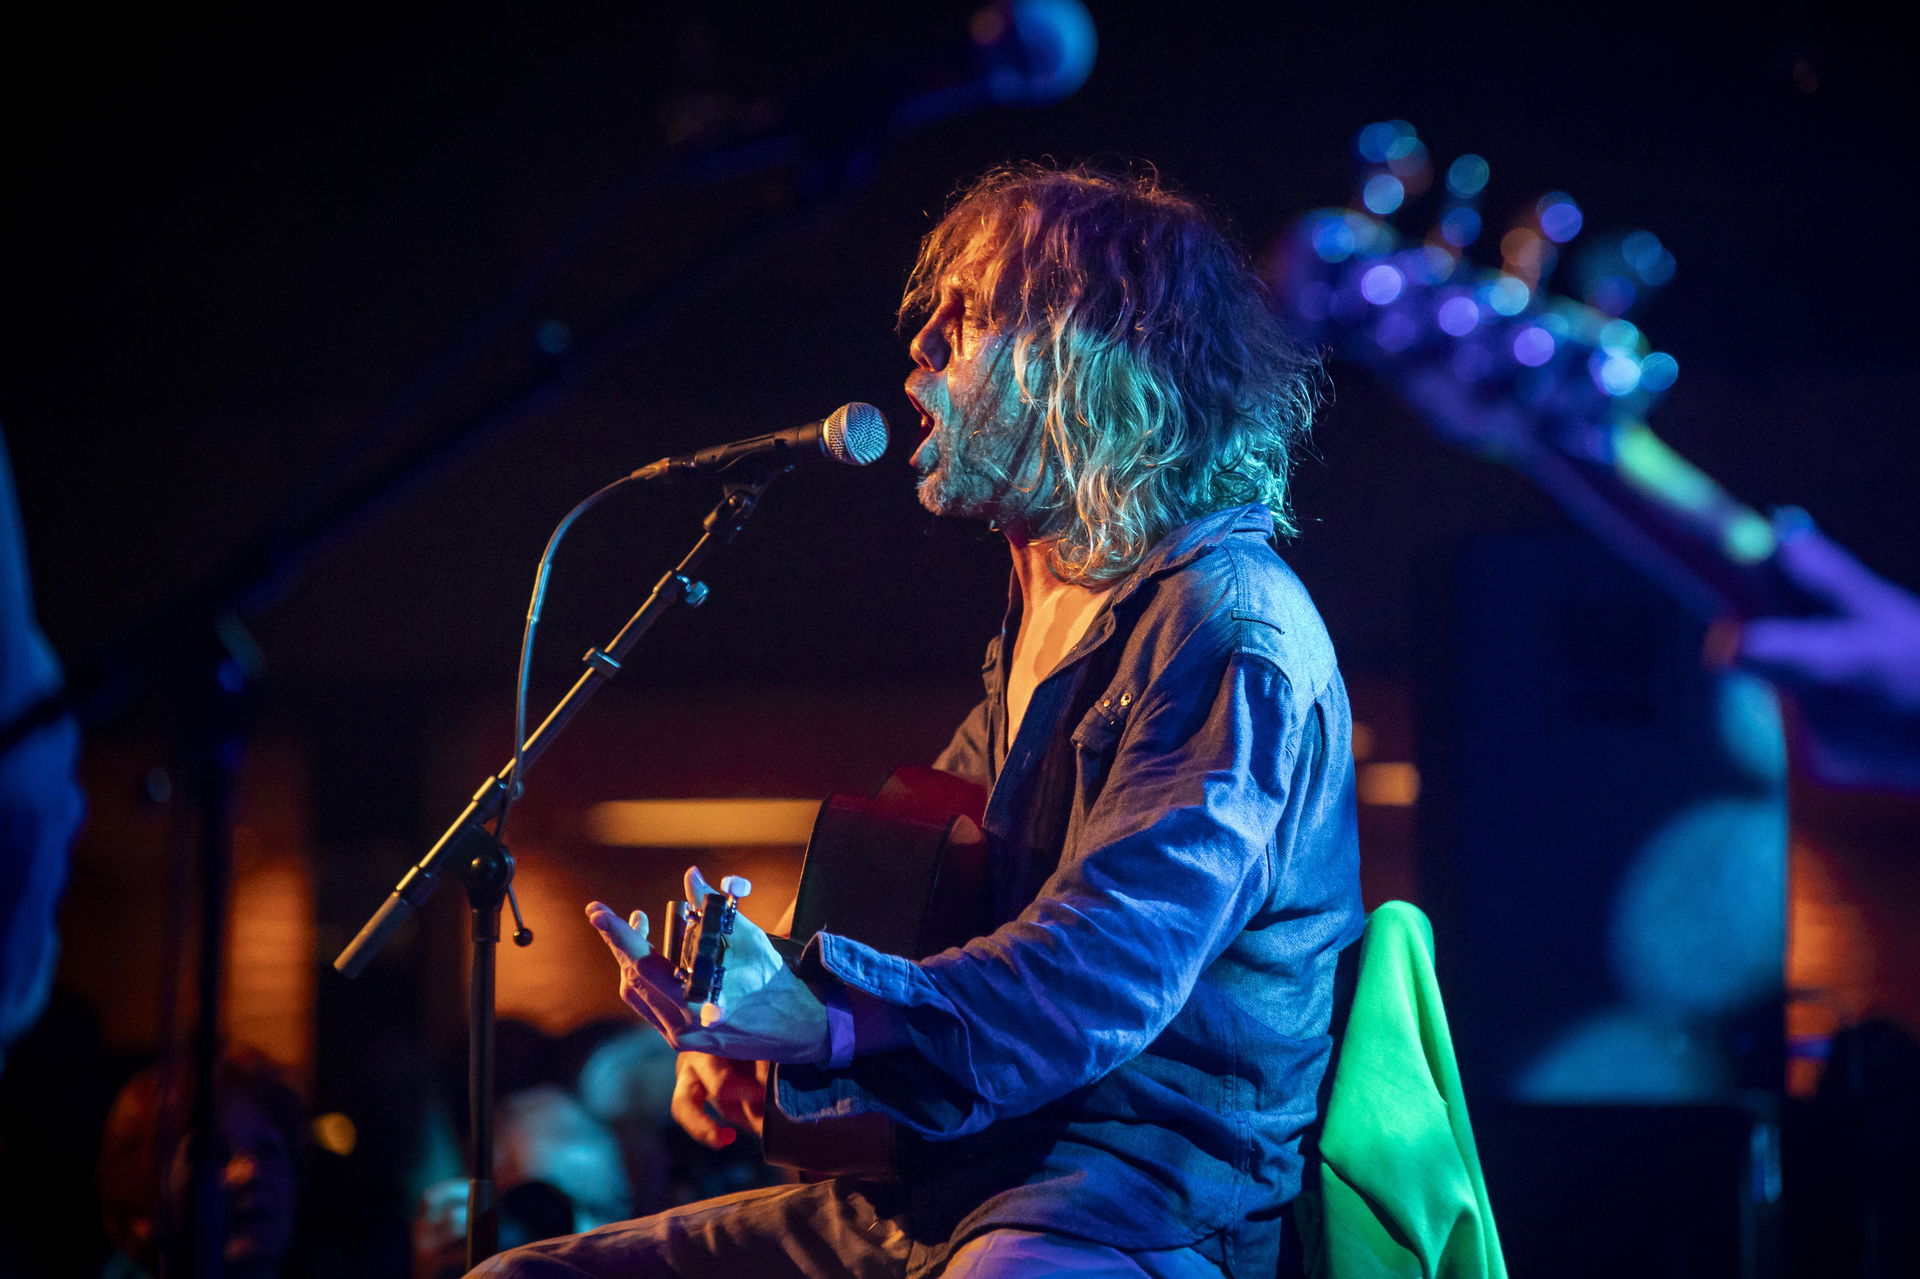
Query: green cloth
(1400,1191)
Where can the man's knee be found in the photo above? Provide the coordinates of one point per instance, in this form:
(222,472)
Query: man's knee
(530,1261)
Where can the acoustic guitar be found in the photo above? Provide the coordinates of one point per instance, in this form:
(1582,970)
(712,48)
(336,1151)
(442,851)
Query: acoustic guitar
(904,871)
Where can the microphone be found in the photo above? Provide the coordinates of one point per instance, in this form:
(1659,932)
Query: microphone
(854,434)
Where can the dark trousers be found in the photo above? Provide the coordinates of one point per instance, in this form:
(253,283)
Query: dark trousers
(837,1229)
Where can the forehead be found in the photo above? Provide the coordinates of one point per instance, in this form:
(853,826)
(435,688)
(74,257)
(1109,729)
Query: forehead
(973,259)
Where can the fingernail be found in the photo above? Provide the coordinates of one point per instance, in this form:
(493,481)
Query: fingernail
(728,1136)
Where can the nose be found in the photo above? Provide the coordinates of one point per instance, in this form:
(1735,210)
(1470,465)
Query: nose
(929,346)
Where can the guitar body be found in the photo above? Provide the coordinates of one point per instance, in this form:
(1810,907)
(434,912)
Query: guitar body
(906,873)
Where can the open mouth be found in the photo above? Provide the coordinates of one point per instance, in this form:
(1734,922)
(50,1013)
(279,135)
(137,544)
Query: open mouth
(926,418)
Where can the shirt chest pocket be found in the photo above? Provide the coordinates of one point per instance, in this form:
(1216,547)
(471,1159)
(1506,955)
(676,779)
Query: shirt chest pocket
(1097,737)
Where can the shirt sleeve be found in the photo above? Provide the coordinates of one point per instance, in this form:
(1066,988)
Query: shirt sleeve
(1180,856)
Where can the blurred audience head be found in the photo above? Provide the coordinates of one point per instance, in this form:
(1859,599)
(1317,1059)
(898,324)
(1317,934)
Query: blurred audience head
(263,1143)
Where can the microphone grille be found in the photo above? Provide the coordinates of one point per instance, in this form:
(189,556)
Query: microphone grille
(855,434)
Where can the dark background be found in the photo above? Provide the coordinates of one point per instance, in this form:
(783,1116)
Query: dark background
(234,233)
(232,236)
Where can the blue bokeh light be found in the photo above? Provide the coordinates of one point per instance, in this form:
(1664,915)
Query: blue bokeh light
(1407,156)
(1459,315)
(1333,238)
(1621,337)
(1460,227)
(1383,194)
(1533,346)
(1648,257)
(1560,217)
(1467,177)
(1641,249)
(1508,295)
(1658,371)
(1382,284)
(1616,374)
(1377,141)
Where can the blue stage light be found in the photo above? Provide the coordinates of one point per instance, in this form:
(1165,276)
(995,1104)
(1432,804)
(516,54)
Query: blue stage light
(1333,238)
(1616,374)
(1467,177)
(1383,194)
(1382,284)
(1649,258)
(1620,337)
(1560,217)
(1407,156)
(1375,140)
(1658,371)
(1641,249)
(1533,346)
(1459,315)
(1508,295)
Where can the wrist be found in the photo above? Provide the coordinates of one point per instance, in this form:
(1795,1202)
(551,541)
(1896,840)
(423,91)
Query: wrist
(840,1027)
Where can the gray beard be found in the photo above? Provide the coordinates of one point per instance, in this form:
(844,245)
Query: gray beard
(962,487)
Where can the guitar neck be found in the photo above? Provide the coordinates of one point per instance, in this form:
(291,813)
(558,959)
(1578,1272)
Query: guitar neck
(1627,487)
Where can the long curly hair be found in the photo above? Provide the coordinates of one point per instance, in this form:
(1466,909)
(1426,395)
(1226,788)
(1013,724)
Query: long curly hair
(1154,378)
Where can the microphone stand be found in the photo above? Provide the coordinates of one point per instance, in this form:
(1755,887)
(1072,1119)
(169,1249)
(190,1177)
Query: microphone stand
(472,853)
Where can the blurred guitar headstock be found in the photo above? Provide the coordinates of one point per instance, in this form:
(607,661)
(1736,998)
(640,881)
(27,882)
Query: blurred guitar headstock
(1498,364)
(1492,357)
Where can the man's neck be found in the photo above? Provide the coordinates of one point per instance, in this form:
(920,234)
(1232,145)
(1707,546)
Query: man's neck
(1054,614)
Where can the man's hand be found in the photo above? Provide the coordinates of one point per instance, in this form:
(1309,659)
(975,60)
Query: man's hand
(1867,645)
(736,1091)
(1854,668)
(765,1013)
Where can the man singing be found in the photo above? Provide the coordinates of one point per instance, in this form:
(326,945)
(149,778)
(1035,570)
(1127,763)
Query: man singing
(1115,1080)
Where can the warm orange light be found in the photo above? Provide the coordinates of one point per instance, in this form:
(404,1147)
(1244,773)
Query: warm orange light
(1389,785)
(335,1133)
(702,823)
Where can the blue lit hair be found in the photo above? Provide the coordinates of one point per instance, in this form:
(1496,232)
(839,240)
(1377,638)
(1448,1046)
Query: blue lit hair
(1154,377)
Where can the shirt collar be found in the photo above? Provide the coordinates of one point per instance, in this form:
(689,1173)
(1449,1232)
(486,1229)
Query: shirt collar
(1179,547)
(1190,541)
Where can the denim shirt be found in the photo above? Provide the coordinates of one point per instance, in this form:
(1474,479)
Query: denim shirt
(1132,1055)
